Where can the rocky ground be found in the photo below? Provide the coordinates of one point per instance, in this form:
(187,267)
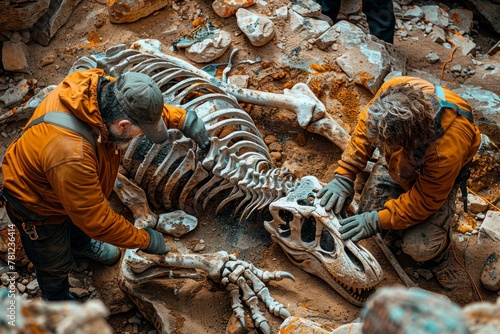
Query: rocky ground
(285,60)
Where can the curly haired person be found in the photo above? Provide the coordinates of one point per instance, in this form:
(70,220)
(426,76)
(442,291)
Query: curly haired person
(426,138)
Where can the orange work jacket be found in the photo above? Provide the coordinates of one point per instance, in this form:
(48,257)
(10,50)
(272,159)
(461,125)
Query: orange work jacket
(426,188)
(56,173)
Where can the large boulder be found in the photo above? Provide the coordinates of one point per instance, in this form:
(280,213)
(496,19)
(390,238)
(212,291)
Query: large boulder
(18,15)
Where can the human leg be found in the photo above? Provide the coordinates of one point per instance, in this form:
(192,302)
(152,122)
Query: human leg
(429,242)
(51,256)
(83,246)
(330,8)
(381,19)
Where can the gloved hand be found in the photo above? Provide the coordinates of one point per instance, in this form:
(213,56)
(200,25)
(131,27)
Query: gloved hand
(337,194)
(156,243)
(194,128)
(360,226)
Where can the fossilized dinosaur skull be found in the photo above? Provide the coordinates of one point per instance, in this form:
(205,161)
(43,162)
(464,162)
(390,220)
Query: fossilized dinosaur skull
(310,238)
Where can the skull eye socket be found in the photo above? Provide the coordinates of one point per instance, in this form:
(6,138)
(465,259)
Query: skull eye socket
(284,229)
(326,240)
(308,230)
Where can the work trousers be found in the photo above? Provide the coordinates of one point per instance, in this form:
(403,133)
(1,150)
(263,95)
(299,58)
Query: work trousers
(425,241)
(379,16)
(51,254)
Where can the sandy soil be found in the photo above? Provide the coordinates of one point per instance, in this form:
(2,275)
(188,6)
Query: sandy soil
(204,305)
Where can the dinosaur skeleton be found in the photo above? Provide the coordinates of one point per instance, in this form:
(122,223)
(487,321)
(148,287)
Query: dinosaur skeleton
(237,167)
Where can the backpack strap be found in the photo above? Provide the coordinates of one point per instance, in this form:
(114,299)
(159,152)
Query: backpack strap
(67,121)
(438,90)
(419,153)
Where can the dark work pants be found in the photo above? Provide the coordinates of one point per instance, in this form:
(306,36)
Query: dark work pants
(425,241)
(379,15)
(51,255)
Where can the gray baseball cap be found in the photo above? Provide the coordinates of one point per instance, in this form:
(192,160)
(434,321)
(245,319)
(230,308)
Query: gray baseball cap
(141,99)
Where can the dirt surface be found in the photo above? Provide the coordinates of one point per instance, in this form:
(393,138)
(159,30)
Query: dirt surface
(205,305)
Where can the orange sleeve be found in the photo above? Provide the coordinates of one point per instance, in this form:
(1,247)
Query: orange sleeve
(424,198)
(75,182)
(173,116)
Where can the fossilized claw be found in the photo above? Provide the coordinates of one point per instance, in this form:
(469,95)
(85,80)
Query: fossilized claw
(240,275)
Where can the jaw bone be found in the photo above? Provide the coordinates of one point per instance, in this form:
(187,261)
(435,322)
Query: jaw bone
(311,240)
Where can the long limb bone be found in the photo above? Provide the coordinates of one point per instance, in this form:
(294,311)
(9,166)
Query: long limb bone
(239,277)
(135,199)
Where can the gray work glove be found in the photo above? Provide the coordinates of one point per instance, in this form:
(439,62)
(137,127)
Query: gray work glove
(157,244)
(194,128)
(360,226)
(337,194)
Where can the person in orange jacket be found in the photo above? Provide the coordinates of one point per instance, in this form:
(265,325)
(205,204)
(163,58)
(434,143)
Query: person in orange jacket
(57,180)
(426,137)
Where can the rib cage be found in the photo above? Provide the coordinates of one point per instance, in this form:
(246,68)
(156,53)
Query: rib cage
(177,174)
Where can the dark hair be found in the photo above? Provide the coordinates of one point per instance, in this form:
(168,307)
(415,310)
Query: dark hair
(108,104)
(401,117)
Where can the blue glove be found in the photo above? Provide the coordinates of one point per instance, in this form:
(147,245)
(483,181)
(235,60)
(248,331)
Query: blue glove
(337,194)
(194,128)
(360,226)
(157,243)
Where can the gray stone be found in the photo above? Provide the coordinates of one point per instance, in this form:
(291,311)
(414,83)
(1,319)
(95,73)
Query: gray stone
(485,105)
(307,8)
(476,204)
(123,11)
(435,15)
(298,325)
(366,63)
(489,12)
(79,292)
(432,57)
(5,279)
(48,58)
(33,287)
(15,57)
(134,321)
(413,12)
(456,68)
(239,80)
(490,277)
(462,18)
(490,228)
(21,287)
(15,94)
(438,35)
(209,49)
(259,29)
(200,246)
(75,282)
(53,19)
(22,17)
(327,39)
(281,13)
(227,8)
(307,27)
(464,44)
(176,223)
(15,37)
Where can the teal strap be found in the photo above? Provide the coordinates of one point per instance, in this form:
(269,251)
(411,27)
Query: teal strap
(67,121)
(438,90)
